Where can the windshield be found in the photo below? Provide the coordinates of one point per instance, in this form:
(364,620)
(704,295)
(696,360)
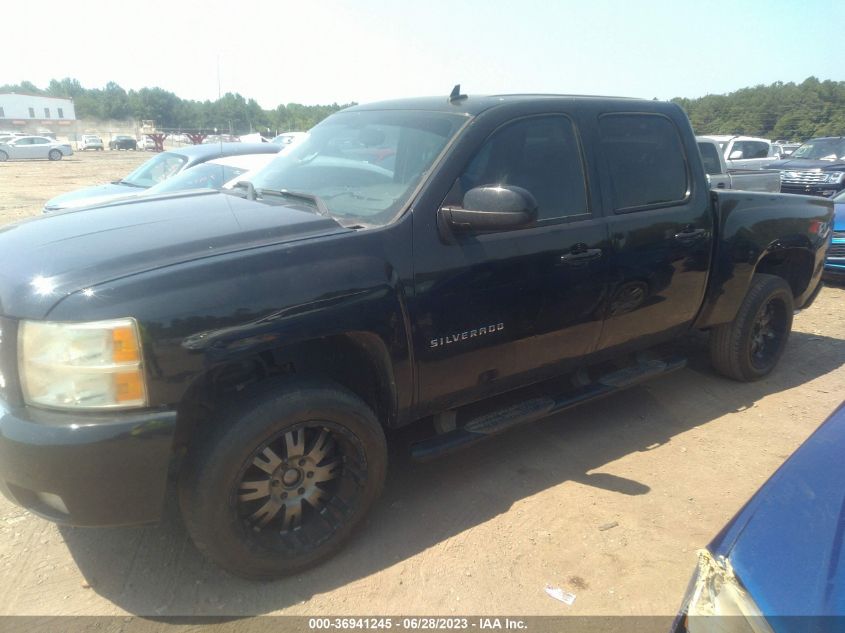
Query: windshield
(155,170)
(822,149)
(202,176)
(363,165)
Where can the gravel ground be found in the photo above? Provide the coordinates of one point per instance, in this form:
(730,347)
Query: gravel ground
(609,501)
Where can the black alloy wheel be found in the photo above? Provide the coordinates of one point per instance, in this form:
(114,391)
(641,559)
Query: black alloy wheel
(282,479)
(768,332)
(298,486)
(749,347)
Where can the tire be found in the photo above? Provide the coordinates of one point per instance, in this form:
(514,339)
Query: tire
(3,157)
(54,154)
(750,347)
(287,520)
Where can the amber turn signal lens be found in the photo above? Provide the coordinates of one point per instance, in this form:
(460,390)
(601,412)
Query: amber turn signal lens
(124,345)
(129,387)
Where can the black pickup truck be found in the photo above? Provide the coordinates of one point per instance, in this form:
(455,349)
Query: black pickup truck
(467,264)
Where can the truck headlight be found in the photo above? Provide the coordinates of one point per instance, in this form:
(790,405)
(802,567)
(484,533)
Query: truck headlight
(716,601)
(834,176)
(82,365)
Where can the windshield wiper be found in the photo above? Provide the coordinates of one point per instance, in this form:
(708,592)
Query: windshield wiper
(131,184)
(316,201)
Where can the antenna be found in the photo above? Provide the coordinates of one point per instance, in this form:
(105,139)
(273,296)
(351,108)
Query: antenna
(218,76)
(219,138)
(456,94)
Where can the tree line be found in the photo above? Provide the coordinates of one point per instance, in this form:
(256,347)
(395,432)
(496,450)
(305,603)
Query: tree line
(789,111)
(781,110)
(231,113)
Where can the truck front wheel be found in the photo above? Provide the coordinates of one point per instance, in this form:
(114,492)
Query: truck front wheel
(283,479)
(750,347)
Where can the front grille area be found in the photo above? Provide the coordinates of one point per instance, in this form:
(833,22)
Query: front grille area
(836,250)
(9,390)
(798,189)
(802,177)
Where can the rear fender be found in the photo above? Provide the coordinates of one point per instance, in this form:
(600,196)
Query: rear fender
(778,234)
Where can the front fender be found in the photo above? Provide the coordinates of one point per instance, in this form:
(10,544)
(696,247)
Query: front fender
(201,315)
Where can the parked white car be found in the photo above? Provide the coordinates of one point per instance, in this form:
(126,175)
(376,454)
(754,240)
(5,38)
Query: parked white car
(213,174)
(746,152)
(288,138)
(89,141)
(41,147)
(257,164)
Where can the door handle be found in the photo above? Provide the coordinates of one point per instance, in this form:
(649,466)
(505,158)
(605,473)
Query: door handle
(720,185)
(580,254)
(690,234)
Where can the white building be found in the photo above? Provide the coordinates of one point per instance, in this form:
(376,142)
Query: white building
(20,112)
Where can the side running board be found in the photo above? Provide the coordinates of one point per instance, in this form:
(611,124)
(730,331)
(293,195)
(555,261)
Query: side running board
(488,424)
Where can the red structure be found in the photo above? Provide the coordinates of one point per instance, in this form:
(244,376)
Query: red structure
(158,139)
(196,137)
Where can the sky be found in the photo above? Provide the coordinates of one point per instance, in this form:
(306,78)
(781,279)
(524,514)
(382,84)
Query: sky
(321,52)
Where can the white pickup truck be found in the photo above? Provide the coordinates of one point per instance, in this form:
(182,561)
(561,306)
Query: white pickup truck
(747,152)
(721,176)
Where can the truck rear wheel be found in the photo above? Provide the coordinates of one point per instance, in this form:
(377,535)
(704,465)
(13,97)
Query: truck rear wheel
(750,347)
(284,478)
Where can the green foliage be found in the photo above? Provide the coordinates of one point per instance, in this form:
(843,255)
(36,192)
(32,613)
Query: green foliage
(230,114)
(782,110)
(779,111)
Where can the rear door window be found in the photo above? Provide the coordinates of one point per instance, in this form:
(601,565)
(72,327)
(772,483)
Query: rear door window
(645,160)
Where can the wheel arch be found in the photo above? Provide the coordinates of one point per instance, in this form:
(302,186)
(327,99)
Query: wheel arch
(794,265)
(359,361)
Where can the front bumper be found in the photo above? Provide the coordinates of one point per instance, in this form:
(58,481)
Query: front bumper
(815,189)
(835,271)
(104,469)
(834,265)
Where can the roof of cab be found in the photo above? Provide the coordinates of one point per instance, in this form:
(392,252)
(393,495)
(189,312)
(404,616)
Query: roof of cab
(476,104)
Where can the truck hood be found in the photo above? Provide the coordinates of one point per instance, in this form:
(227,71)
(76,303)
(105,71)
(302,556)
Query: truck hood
(49,257)
(90,195)
(786,544)
(806,163)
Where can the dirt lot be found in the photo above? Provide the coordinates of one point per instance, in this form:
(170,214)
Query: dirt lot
(481,532)
(26,185)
